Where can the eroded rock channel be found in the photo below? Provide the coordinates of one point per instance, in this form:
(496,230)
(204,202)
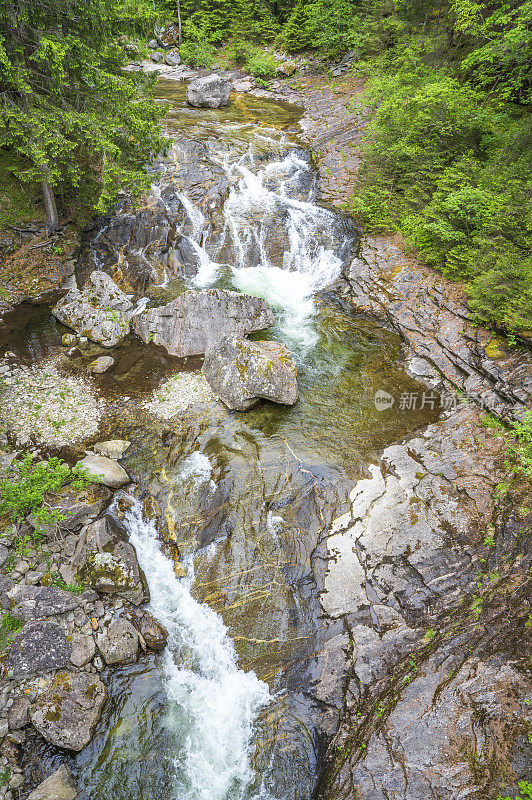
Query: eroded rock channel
(325,619)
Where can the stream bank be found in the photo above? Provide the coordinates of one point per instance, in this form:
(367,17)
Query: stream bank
(330,538)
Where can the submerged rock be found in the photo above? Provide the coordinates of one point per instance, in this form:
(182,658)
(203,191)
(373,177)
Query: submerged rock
(119,642)
(68,710)
(41,646)
(101,365)
(241,372)
(107,562)
(105,469)
(99,312)
(196,321)
(211,91)
(60,785)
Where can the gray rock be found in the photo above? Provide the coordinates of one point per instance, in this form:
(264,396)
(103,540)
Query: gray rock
(101,365)
(241,372)
(69,708)
(18,715)
(77,507)
(83,649)
(156,57)
(40,646)
(60,785)
(68,339)
(107,562)
(113,448)
(196,321)
(153,44)
(99,312)
(4,727)
(152,631)
(169,37)
(105,469)
(172,58)
(211,91)
(119,642)
(40,602)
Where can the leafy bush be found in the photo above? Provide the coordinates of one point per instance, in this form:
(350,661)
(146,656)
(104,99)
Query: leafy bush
(24,489)
(9,625)
(521,449)
(261,64)
(197,53)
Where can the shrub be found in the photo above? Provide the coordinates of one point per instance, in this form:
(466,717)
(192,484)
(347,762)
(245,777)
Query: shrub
(261,64)
(197,53)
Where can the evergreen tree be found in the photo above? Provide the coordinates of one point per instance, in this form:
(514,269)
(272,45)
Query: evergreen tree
(70,118)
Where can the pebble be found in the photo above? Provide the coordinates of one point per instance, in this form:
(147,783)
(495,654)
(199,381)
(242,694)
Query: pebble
(94,623)
(21,567)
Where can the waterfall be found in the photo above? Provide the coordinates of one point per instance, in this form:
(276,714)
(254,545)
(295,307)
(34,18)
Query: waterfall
(213,704)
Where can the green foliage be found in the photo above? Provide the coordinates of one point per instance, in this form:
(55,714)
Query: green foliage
(197,53)
(525,792)
(27,483)
(521,449)
(295,36)
(261,64)
(9,625)
(70,115)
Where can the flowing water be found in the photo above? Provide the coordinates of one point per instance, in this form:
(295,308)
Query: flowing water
(227,712)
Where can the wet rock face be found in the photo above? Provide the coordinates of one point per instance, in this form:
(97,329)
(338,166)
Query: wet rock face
(196,321)
(241,372)
(152,631)
(435,323)
(211,91)
(41,646)
(60,785)
(68,710)
(99,312)
(107,562)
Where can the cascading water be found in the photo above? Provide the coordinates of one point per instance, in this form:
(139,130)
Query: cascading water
(212,703)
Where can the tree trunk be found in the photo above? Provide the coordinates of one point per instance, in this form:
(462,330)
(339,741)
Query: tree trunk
(179,22)
(52,219)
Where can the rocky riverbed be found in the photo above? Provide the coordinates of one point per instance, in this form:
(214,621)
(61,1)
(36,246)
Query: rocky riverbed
(344,580)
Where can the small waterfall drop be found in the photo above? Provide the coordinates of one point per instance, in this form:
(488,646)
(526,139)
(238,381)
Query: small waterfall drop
(213,704)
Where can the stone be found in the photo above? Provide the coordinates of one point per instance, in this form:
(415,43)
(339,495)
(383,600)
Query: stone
(286,69)
(107,562)
(105,469)
(118,643)
(113,448)
(211,91)
(41,646)
(69,708)
(60,785)
(4,727)
(83,649)
(68,339)
(153,44)
(169,37)
(156,57)
(172,58)
(76,507)
(152,631)
(241,372)
(195,321)
(99,312)
(18,715)
(101,365)
(40,602)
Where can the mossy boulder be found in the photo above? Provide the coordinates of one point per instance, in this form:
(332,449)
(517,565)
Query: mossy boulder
(241,372)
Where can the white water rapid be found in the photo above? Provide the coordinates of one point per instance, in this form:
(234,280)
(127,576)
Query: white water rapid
(213,704)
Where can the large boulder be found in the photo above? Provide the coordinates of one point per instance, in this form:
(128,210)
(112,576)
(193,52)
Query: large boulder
(169,37)
(69,708)
(108,472)
(196,321)
(60,785)
(99,312)
(106,561)
(76,507)
(211,91)
(119,642)
(241,372)
(41,602)
(41,646)
(152,631)
(172,58)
